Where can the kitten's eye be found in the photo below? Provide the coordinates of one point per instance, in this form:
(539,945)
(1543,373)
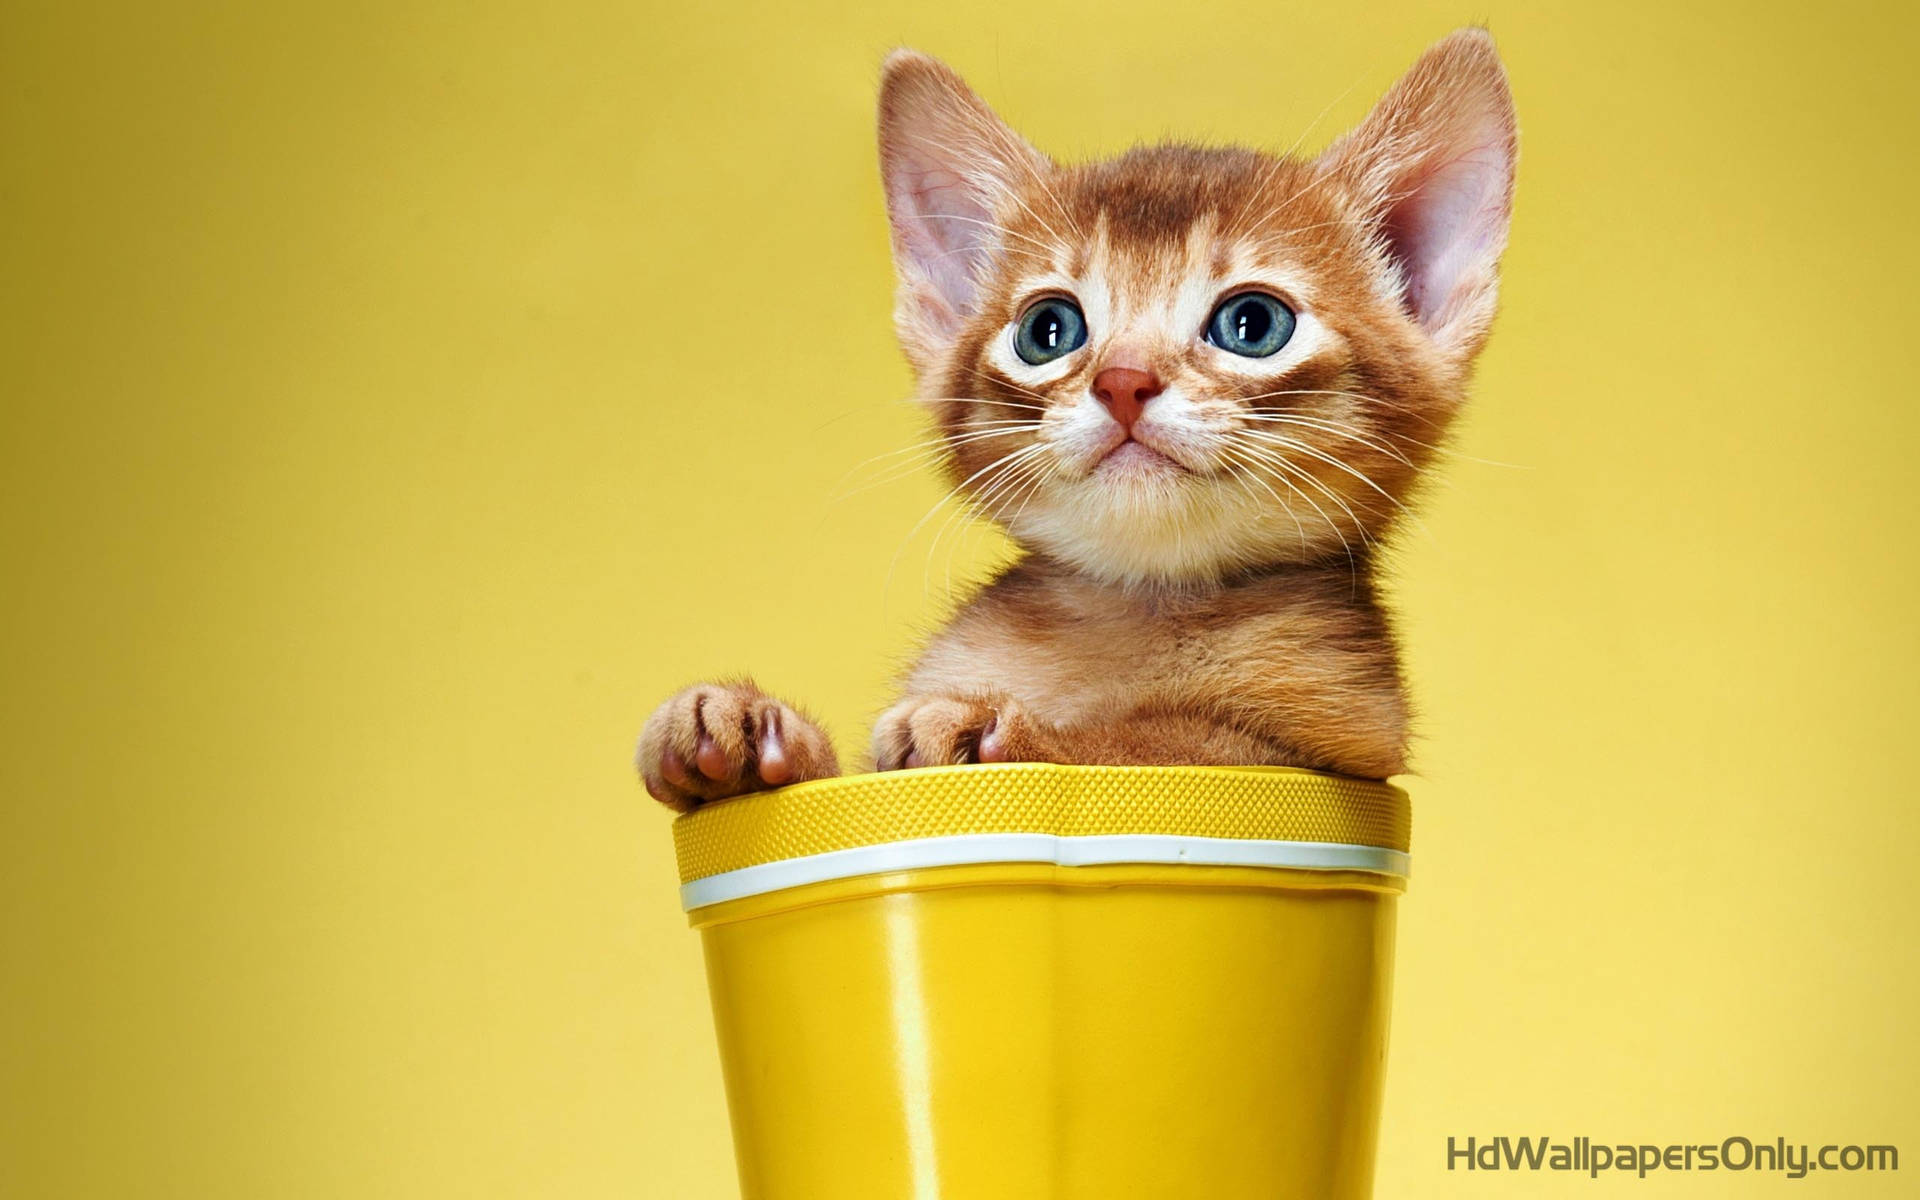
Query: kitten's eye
(1049,329)
(1252,325)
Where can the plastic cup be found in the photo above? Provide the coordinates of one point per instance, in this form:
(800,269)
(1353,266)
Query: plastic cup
(1039,982)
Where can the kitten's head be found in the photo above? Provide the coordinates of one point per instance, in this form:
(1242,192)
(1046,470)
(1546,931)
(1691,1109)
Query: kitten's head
(1189,361)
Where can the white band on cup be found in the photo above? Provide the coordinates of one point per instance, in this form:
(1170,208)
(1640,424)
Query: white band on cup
(972,848)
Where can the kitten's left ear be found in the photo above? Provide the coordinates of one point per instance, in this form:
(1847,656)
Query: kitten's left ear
(949,165)
(1432,166)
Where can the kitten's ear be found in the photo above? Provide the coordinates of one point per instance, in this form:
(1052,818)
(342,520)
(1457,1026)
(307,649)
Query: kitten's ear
(948,163)
(1432,166)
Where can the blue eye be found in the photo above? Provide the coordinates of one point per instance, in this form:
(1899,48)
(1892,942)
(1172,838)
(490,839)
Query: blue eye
(1048,330)
(1252,325)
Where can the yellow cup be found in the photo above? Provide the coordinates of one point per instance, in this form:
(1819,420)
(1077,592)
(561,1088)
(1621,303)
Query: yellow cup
(1039,982)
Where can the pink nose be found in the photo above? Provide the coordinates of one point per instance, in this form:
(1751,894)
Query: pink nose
(1125,391)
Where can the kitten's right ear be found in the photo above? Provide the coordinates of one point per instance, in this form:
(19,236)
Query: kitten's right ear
(948,164)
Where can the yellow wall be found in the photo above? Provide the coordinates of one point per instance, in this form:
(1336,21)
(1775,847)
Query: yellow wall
(400,398)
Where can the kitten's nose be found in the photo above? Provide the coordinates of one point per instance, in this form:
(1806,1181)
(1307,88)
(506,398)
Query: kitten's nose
(1125,391)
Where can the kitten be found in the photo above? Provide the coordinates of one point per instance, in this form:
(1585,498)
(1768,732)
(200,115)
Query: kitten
(1196,385)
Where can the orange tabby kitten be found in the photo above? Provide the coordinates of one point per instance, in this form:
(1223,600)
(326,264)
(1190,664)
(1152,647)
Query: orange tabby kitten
(1196,385)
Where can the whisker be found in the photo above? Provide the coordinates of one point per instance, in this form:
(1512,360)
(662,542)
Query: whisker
(1044,223)
(958,516)
(1292,469)
(1385,403)
(1274,240)
(1010,152)
(970,434)
(1335,462)
(1285,469)
(1243,469)
(1287,157)
(1380,400)
(1021,480)
(951,494)
(1283,159)
(1038,176)
(1280,439)
(1334,427)
(967,400)
(1029,392)
(1000,401)
(995,226)
(1044,471)
(927,454)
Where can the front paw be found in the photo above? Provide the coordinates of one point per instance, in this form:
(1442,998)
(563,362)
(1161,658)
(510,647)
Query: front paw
(715,740)
(927,731)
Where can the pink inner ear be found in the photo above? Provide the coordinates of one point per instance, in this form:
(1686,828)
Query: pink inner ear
(941,225)
(1449,226)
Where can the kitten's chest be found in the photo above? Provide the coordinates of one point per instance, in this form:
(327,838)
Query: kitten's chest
(1082,660)
(1098,666)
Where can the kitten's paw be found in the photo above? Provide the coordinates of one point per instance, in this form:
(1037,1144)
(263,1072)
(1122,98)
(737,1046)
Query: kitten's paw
(715,740)
(928,731)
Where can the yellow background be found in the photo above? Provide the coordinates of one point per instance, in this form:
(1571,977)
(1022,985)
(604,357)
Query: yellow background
(401,398)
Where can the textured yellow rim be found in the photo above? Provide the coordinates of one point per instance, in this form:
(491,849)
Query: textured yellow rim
(1202,814)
